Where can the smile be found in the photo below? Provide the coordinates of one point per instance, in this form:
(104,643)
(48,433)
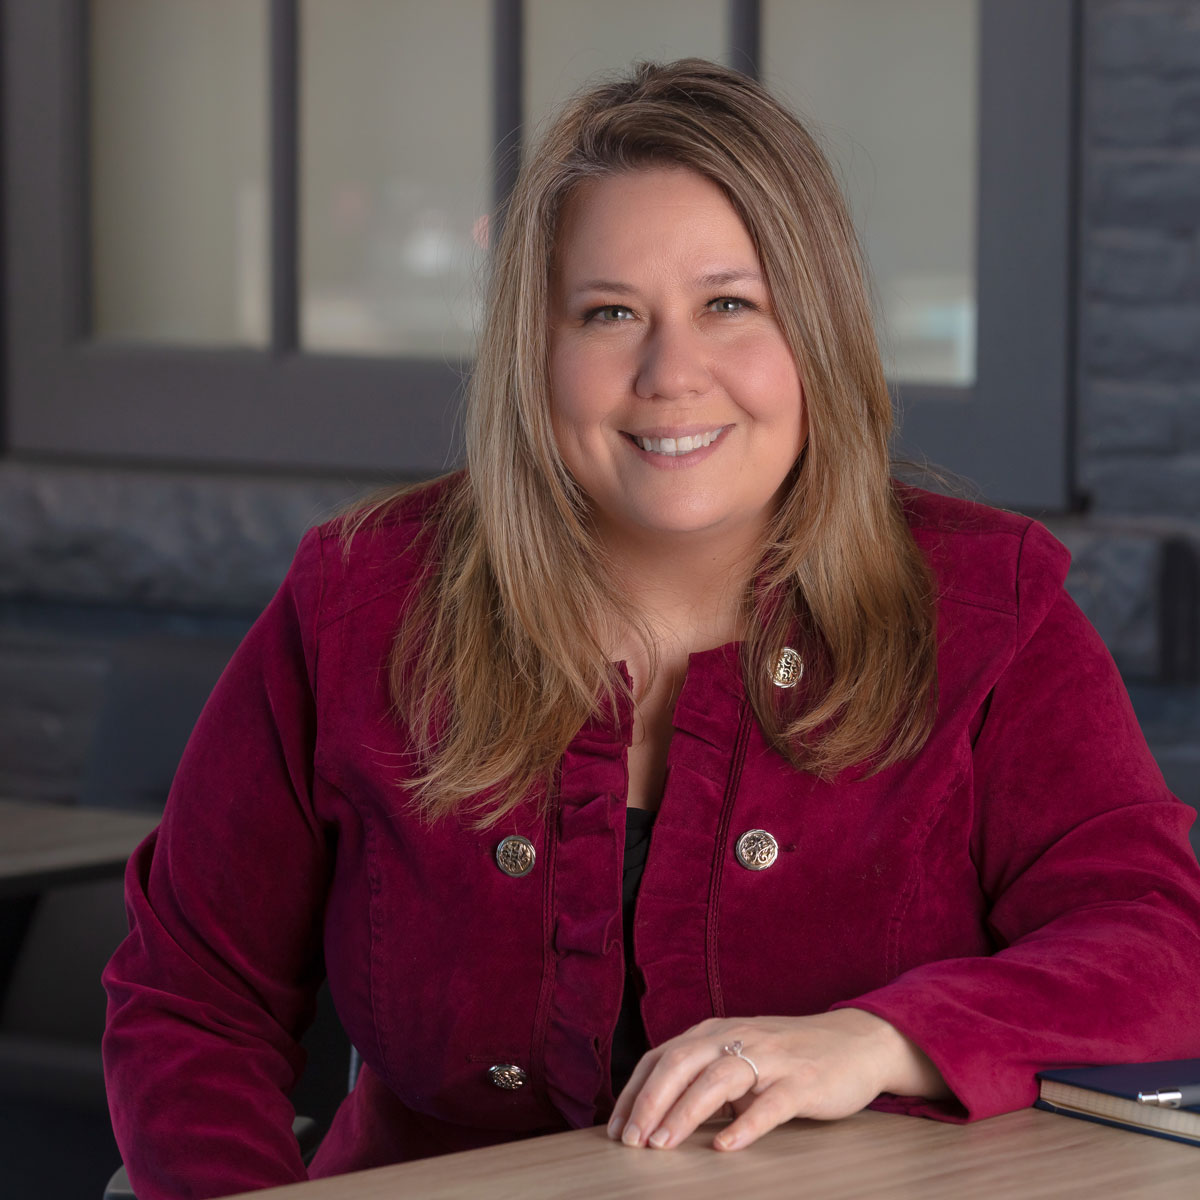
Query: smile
(673,447)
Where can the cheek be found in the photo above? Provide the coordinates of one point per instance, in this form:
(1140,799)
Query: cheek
(769,387)
(571,417)
(566,386)
(563,393)
(580,391)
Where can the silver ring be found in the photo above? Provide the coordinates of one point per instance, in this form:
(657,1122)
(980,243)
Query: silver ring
(735,1048)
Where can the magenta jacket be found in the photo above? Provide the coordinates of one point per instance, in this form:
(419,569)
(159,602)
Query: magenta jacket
(1020,895)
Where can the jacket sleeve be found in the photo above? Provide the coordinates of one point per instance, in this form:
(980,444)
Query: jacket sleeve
(217,978)
(1093,889)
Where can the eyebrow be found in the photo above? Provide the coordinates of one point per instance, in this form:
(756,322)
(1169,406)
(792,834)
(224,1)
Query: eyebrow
(735,275)
(714,279)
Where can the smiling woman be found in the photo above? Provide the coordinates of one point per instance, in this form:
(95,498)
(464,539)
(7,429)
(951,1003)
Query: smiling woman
(670,760)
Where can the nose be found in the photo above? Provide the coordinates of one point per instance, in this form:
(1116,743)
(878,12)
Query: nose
(672,364)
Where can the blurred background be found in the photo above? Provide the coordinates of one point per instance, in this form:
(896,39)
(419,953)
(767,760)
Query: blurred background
(243,243)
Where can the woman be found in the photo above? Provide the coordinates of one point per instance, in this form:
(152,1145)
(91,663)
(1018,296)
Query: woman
(909,846)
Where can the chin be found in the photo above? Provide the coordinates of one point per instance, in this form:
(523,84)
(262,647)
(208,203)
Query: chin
(666,525)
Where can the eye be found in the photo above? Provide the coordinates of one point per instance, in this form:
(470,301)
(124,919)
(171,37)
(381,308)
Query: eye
(729,304)
(607,314)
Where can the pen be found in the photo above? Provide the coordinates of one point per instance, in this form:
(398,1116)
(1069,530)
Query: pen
(1176,1097)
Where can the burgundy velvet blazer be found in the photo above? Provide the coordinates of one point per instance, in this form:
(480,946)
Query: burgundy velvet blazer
(1019,895)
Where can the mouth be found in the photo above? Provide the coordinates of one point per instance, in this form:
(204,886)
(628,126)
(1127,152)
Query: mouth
(677,447)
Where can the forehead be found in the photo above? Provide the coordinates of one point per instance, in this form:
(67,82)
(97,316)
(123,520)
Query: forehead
(646,216)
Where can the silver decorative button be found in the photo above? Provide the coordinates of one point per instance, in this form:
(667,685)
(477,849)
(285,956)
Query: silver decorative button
(756,850)
(788,668)
(515,855)
(507,1076)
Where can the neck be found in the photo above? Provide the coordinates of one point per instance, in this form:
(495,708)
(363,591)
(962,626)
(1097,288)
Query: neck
(688,590)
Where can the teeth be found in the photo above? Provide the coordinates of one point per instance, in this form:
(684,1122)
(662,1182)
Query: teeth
(674,447)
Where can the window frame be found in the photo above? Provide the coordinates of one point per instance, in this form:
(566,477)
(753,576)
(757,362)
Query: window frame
(1012,432)
(286,408)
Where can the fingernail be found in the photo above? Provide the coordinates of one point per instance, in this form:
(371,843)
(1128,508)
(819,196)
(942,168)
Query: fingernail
(726,1141)
(632,1135)
(614,1127)
(660,1138)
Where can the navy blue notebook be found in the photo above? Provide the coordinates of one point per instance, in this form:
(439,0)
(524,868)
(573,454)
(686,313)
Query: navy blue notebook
(1109,1095)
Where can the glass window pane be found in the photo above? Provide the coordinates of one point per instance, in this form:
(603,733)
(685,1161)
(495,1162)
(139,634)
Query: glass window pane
(893,85)
(568,41)
(396,161)
(179,170)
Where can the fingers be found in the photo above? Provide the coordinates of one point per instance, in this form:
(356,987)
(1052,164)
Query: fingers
(666,1099)
(720,1084)
(618,1124)
(773,1107)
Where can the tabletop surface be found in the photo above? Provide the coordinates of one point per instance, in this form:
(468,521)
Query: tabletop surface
(1023,1154)
(42,845)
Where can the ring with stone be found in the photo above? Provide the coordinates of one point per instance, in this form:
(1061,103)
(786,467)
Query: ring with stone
(735,1049)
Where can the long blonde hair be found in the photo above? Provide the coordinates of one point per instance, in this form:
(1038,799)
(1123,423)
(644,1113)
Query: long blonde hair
(499,664)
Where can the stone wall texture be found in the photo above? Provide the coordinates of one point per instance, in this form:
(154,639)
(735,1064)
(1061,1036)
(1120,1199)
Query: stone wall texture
(1139,449)
(91,557)
(1139,357)
(156,538)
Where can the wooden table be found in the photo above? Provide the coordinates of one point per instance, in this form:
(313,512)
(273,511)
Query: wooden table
(1019,1155)
(44,845)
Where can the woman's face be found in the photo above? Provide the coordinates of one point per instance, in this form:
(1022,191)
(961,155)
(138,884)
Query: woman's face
(675,400)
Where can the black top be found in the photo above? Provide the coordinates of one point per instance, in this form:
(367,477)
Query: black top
(629,1038)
